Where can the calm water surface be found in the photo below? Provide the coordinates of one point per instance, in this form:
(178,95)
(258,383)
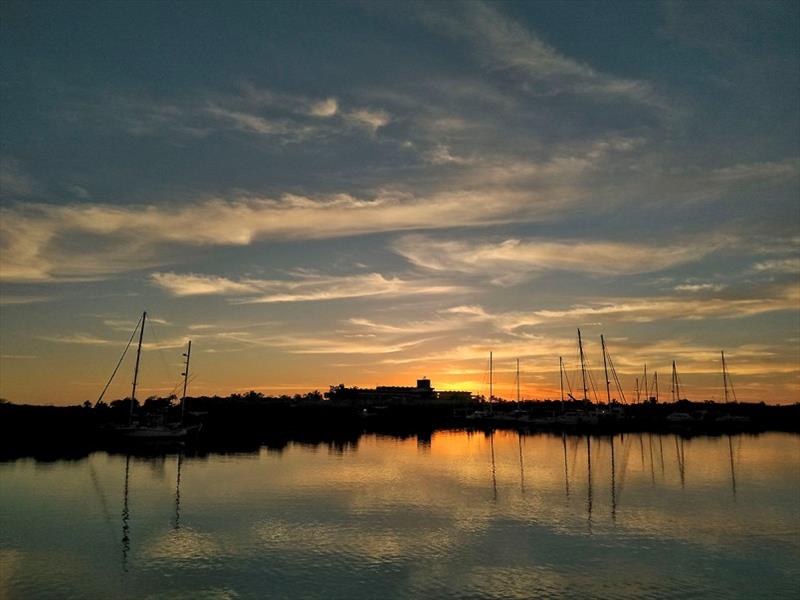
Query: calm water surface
(457,516)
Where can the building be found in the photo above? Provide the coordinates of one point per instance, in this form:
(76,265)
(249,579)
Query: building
(386,395)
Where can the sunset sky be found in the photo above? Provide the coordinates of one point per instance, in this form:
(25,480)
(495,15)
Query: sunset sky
(368,193)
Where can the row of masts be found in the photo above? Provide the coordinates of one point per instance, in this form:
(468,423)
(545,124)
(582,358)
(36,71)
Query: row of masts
(608,364)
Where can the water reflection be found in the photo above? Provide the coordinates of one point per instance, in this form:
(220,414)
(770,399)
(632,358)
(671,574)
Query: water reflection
(613,482)
(733,470)
(177,522)
(566,466)
(589,481)
(410,516)
(521,465)
(126,540)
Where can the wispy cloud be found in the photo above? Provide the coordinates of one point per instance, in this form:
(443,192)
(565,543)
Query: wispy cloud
(513,259)
(304,287)
(33,236)
(84,339)
(506,46)
(12,299)
(324,108)
(778,265)
(371,119)
(780,298)
(699,287)
(14,180)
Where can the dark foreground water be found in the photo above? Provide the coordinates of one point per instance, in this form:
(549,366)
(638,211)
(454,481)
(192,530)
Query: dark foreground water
(457,516)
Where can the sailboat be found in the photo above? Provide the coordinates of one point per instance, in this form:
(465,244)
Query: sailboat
(580,417)
(730,393)
(155,427)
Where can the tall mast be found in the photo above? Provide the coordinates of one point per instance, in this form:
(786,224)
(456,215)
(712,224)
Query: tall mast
(724,375)
(186,378)
(491,394)
(583,367)
(637,391)
(655,379)
(136,369)
(517,380)
(646,388)
(676,387)
(605,369)
(561,379)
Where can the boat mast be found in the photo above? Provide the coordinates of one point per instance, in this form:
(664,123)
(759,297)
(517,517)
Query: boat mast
(724,375)
(583,367)
(517,381)
(185,378)
(676,390)
(561,379)
(655,379)
(136,368)
(605,369)
(638,398)
(491,391)
(646,387)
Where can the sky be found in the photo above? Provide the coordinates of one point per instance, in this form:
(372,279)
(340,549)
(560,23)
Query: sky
(368,193)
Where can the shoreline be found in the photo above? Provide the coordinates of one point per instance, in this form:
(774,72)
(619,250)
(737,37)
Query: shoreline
(240,425)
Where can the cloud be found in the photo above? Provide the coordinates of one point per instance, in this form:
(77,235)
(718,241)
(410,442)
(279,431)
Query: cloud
(779,265)
(11,299)
(304,287)
(369,118)
(780,298)
(190,284)
(512,260)
(84,339)
(699,287)
(250,123)
(508,48)
(324,108)
(14,181)
(47,242)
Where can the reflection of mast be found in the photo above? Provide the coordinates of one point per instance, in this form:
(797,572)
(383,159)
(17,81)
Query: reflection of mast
(679,450)
(733,471)
(521,465)
(566,467)
(494,469)
(126,540)
(589,478)
(613,483)
(178,494)
(641,449)
(652,464)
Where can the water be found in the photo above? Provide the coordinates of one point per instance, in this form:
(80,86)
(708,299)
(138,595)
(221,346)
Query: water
(457,516)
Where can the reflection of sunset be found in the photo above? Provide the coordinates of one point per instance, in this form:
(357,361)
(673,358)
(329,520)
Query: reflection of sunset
(445,514)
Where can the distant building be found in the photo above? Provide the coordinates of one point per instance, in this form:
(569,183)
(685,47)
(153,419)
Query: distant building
(385,395)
